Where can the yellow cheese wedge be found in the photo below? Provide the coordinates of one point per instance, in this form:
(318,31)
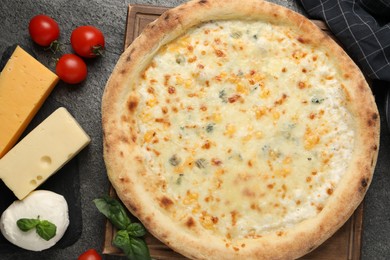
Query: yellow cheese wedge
(42,152)
(25,83)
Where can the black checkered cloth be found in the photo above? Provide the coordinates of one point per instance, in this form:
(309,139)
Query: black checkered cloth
(362,27)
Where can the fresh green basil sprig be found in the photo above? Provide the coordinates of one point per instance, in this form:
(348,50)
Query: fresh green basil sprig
(128,238)
(44,228)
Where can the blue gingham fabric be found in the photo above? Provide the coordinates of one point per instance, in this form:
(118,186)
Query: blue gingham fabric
(362,27)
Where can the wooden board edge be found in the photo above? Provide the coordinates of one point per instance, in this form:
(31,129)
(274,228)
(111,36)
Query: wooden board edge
(356,233)
(132,11)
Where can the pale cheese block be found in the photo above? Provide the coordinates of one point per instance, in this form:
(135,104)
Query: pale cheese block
(42,152)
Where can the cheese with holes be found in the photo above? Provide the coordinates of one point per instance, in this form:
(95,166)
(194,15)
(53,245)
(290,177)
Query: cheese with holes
(42,152)
(24,85)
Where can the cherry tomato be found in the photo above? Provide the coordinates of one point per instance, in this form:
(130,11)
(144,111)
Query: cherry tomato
(90,254)
(87,41)
(43,30)
(71,69)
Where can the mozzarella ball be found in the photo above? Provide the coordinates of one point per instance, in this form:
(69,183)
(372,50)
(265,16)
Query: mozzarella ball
(46,205)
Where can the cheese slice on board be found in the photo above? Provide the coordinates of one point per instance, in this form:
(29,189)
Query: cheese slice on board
(42,152)
(25,84)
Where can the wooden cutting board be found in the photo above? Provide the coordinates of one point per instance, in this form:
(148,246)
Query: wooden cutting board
(345,244)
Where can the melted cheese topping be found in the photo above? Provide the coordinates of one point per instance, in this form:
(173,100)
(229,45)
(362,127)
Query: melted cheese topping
(244,128)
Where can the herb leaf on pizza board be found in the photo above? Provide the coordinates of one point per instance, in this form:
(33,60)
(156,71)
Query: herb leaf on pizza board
(128,237)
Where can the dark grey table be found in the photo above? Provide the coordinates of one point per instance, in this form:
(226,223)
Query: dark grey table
(84,101)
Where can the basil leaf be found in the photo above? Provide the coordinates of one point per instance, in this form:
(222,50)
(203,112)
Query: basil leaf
(102,205)
(122,241)
(136,230)
(139,248)
(46,230)
(26,224)
(114,211)
(119,218)
(126,238)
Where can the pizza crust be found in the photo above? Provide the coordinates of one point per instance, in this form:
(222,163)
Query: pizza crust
(124,158)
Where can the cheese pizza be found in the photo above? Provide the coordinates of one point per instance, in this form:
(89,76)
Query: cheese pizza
(238,130)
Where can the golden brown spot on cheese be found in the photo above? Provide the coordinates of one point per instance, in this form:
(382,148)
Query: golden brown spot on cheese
(216,162)
(301,85)
(234,98)
(219,53)
(284,69)
(203,108)
(166,79)
(250,164)
(236,248)
(280,233)
(271,186)
(150,90)
(164,110)
(192,59)
(162,121)
(281,100)
(234,216)
(206,145)
(171,90)
(202,2)
(329,191)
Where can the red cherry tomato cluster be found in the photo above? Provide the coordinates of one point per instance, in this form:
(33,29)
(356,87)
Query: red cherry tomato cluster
(87,42)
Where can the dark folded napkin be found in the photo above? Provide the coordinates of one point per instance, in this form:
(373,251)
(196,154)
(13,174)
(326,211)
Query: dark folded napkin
(363,28)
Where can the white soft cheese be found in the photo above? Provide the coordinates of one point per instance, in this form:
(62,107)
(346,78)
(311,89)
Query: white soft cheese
(48,206)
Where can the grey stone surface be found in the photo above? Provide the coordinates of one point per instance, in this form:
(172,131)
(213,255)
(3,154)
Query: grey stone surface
(84,102)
